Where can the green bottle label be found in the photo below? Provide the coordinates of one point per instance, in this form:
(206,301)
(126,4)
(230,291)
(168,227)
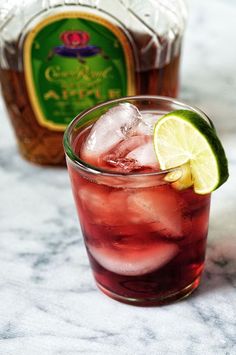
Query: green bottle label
(72,61)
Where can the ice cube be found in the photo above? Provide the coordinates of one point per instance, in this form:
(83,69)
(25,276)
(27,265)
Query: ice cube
(157,205)
(145,155)
(199,222)
(128,145)
(122,165)
(93,202)
(102,206)
(146,125)
(114,126)
(119,156)
(133,261)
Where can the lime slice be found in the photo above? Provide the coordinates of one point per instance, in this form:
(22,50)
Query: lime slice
(184,139)
(180,178)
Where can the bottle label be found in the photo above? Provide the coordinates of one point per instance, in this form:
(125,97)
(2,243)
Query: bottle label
(72,61)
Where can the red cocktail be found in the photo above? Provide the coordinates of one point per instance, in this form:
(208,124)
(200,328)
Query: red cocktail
(145,238)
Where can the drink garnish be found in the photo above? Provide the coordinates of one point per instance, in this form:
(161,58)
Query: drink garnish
(185,141)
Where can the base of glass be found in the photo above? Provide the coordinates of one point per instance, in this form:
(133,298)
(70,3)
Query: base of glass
(154,301)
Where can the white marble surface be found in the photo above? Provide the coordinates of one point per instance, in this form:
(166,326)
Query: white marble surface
(49,304)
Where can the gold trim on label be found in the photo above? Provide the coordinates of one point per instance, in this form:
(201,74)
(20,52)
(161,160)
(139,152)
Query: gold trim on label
(128,54)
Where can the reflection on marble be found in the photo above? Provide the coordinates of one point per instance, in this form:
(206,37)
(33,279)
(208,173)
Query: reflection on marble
(49,303)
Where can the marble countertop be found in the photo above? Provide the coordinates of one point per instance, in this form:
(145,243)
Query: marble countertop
(49,304)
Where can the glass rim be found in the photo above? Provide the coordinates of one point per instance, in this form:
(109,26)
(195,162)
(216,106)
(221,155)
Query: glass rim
(81,164)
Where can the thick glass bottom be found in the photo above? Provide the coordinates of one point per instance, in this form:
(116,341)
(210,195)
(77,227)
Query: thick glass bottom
(154,301)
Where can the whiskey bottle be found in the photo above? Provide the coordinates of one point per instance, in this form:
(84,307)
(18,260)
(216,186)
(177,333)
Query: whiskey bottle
(60,57)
